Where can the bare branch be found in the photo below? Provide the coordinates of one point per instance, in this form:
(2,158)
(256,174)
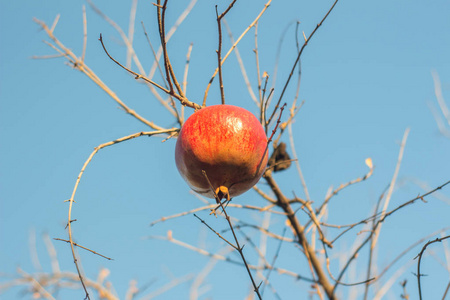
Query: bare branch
(420,259)
(72,197)
(82,247)
(301,51)
(81,66)
(232,48)
(84,34)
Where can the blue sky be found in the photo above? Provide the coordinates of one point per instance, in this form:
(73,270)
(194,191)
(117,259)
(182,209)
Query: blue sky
(366,78)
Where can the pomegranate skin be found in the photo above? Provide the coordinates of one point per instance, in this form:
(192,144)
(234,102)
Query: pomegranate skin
(228,143)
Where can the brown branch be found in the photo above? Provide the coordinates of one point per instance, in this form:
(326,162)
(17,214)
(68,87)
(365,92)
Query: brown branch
(237,246)
(344,185)
(127,40)
(232,48)
(161,23)
(265,232)
(72,198)
(404,252)
(87,249)
(81,66)
(218,234)
(170,75)
(171,239)
(211,207)
(183,100)
(381,219)
(270,139)
(420,259)
(219,51)
(301,51)
(258,77)
(277,252)
(219,57)
(154,53)
(241,64)
(283,202)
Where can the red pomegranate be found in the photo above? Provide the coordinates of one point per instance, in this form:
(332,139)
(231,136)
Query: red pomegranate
(228,144)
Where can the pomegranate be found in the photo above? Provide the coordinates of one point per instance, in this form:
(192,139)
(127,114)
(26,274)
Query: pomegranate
(225,142)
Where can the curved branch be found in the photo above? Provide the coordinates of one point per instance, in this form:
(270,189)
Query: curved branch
(420,259)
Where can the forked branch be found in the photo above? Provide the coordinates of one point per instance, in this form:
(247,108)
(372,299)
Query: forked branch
(237,246)
(79,64)
(232,48)
(171,92)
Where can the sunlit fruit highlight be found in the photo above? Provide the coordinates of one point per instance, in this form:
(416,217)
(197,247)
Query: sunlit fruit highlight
(225,142)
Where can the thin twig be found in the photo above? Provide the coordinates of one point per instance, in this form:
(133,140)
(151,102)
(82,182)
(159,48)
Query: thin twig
(72,197)
(237,246)
(82,247)
(201,251)
(84,34)
(278,54)
(404,252)
(241,64)
(211,206)
(277,252)
(218,234)
(300,53)
(419,274)
(377,228)
(264,231)
(232,48)
(161,23)
(170,33)
(130,52)
(258,78)
(170,75)
(347,184)
(154,54)
(295,157)
(55,22)
(136,61)
(81,66)
(381,219)
(219,51)
(183,100)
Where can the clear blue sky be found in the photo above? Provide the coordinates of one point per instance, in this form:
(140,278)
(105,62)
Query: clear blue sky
(366,78)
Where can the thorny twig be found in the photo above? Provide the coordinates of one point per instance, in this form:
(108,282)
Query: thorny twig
(381,219)
(82,247)
(420,259)
(203,252)
(237,246)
